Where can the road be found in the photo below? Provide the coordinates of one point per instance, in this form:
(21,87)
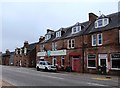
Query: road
(20,76)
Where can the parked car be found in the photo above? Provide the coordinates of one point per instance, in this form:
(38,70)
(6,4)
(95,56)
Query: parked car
(45,65)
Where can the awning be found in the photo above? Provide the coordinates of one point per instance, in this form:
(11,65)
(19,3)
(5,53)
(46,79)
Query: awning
(73,54)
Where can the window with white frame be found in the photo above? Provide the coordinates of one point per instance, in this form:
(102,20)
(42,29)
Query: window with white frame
(58,34)
(16,51)
(54,46)
(71,43)
(47,37)
(76,29)
(115,61)
(42,48)
(101,22)
(20,51)
(119,36)
(99,37)
(62,61)
(54,61)
(91,62)
(94,40)
(25,50)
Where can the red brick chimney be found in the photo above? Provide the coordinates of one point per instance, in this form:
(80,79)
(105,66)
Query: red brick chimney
(41,38)
(7,51)
(49,30)
(92,17)
(26,44)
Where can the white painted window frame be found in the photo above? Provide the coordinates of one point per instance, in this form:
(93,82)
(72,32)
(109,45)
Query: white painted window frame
(103,22)
(54,58)
(98,39)
(47,36)
(111,64)
(95,62)
(58,34)
(93,40)
(76,28)
(42,48)
(72,43)
(119,36)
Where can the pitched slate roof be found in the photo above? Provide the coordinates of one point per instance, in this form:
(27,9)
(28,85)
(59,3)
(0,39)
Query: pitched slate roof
(67,32)
(4,54)
(88,27)
(113,23)
(31,46)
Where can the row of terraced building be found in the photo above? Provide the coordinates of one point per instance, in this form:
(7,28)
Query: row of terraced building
(82,47)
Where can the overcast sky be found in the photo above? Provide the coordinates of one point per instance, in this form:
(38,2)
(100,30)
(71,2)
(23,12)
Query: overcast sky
(28,19)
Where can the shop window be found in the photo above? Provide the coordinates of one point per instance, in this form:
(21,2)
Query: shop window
(91,61)
(115,61)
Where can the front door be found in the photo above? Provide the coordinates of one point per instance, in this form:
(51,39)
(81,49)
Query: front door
(76,64)
(103,60)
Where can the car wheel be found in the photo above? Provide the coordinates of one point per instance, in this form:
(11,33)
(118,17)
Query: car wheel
(38,69)
(46,69)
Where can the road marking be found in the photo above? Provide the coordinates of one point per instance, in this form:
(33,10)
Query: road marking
(95,84)
(102,78)
(53,77)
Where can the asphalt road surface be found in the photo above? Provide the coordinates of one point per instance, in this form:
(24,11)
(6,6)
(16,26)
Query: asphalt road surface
(20,76)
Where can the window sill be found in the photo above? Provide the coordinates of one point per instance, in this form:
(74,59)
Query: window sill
(94,45)
(92,67)
(99,44)
(115,69)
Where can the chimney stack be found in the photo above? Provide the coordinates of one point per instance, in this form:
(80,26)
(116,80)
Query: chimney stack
(26,44)
(41,38)
(7,51)
(49,30)
(92,17)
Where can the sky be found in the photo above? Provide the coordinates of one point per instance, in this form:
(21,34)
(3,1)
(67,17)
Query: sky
(27,20)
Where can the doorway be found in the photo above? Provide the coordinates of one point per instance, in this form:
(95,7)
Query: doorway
(76,64)
(103,60)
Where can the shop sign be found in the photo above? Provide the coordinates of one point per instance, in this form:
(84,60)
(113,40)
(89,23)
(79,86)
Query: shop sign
(91,56)
(115,55)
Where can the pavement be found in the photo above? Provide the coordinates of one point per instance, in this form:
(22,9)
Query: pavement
(5,84)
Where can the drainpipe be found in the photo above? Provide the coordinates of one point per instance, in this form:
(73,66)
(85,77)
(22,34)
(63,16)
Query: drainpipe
(83,54)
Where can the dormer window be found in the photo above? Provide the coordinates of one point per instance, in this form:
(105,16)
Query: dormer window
(58,34)
(101,22)
(48,36)
(76,29)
